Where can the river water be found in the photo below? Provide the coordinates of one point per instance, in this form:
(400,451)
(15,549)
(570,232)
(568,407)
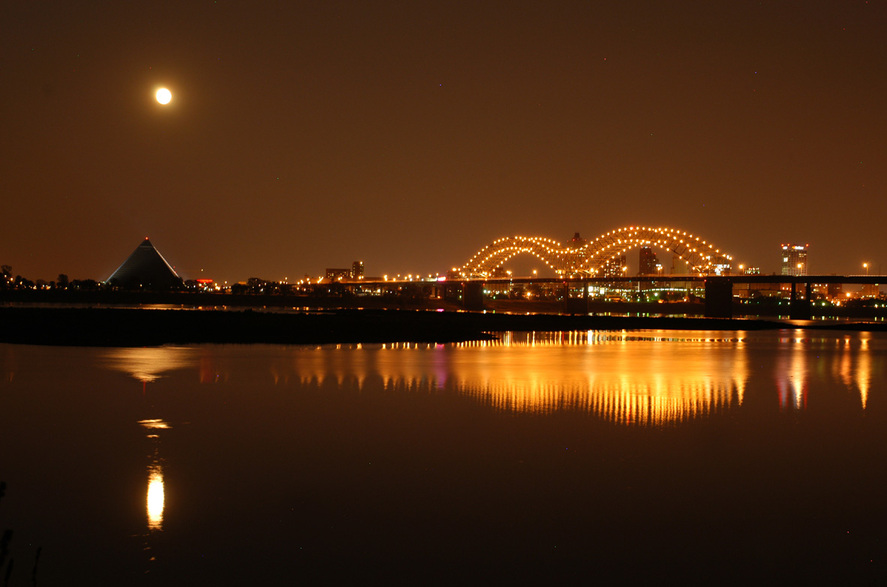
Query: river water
(537,458)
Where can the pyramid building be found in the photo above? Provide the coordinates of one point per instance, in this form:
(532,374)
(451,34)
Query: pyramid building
(145,268)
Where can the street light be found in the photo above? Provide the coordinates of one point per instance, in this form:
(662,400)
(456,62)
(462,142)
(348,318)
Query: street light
(867,288)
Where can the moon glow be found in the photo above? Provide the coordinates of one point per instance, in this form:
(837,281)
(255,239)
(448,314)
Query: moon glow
(163,96)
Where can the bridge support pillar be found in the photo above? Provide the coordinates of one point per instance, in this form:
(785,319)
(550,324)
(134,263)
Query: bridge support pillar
(800,309)
(473,295)
(452,292)
(578,305)
(718,297)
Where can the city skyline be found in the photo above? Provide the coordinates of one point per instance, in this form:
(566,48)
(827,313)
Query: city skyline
(301,137)
(631,249)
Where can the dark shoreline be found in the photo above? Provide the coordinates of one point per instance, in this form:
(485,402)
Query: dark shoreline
(109,326)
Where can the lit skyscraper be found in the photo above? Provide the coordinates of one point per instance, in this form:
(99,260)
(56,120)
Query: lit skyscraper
(794,259)
(648,263)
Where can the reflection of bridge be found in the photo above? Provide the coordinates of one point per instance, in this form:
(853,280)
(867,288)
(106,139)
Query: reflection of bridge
(589,258)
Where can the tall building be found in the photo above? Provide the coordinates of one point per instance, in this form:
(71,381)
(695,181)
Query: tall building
(357,270)
(648,263)
(794,259)
(576,252)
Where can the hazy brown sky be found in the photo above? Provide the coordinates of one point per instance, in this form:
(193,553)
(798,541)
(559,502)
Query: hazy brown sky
(305,135)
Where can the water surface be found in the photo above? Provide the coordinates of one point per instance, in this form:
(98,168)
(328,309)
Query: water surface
(539,457)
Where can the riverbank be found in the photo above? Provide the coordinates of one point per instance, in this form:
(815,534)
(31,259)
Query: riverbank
(109,326)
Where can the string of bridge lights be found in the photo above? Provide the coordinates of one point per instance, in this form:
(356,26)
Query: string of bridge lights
(593,256)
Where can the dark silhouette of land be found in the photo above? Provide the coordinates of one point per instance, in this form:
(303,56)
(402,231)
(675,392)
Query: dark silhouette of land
(110,326)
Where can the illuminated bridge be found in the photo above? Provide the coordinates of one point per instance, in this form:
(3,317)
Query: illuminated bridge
(591,258)
(599,266)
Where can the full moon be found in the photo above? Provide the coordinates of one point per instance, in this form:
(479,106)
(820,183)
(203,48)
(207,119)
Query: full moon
(163,96)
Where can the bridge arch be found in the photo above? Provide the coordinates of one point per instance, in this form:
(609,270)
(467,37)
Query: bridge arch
(581,257)
(484,262)
(701,256)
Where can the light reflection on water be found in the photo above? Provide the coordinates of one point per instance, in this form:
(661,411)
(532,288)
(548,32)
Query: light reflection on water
(631,378)
(653,385)
(155,499)
(598,372)
(299,420)
(149,363)
(645,379)
(640,378)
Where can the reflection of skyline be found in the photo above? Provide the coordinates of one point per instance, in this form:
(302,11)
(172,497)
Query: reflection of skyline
(665,387)
(850,363)
(856,368)
(683,375)
(548,372)
(791,378)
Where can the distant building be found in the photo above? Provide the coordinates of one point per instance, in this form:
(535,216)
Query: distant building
(145,268)
(746,290)
(205,285)
(648,263)
(339,274)
(679,266)
(335,274)
(794,259)
(576,251)
(614,267)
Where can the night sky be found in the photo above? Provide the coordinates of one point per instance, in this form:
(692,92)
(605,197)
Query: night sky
(306,135)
